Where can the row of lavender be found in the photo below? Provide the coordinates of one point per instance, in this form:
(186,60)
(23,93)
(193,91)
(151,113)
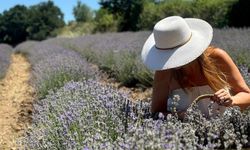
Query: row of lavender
(87,115)
(5,52)
(119,53)
(53,65)
(115,53)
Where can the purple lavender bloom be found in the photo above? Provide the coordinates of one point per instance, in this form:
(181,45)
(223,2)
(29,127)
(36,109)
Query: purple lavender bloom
(53,65)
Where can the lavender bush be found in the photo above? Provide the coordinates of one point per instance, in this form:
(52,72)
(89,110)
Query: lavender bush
(53,65)
(88,115)
(116,54)
(245,71)
(25,47)
(5,52)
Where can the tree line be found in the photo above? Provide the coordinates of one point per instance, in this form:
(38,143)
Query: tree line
(40,21)
(143,14)
(37,22)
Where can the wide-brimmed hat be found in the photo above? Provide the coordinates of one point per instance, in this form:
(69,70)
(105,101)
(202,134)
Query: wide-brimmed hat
(175,42)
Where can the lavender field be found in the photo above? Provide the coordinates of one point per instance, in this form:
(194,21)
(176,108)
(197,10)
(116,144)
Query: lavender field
(5,52)
(119,53)
(73,110)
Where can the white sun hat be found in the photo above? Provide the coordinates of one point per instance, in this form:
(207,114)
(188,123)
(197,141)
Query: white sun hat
(175,42)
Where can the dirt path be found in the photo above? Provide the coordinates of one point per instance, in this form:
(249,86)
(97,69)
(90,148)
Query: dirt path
(15,102)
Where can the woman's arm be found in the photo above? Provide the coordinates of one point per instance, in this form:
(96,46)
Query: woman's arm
(160,91)
(239,88)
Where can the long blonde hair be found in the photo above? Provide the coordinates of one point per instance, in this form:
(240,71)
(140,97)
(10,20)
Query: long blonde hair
(215,77)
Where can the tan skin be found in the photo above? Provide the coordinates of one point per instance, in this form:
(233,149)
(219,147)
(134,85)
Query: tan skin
(164,83)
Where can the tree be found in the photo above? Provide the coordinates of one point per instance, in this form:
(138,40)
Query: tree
(214,11)
(150,15)
(128,10)
(36,22)
(82,12)
(44,18)
(155,10)
(105,21)
(13,24)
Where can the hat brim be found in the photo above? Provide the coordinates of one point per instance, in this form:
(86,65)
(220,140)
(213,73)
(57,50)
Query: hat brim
(157,59)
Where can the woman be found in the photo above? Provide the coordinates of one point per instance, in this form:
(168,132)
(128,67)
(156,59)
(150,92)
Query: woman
(178,51)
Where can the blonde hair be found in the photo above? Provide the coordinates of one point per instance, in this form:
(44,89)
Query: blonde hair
(215,77)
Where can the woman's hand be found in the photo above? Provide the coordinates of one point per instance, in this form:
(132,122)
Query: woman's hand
(223,97)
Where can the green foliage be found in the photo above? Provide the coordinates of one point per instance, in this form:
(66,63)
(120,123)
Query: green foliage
(240,14)
(129,70)
(125,68)
(75,29)
(241,58)
(150,15)
(56,81)
(13,24)
(153,12)
(143,75)
(106,62)
(105,21)
(216,12)
(128,10)
(89,55)
(82,12)
(177,7)
(36,22)
(44,18)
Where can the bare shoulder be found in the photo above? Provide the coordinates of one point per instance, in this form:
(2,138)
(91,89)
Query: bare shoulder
(227,66)
(220,54)
(222,58)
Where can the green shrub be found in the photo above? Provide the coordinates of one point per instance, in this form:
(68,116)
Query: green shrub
(143,75)
(177,7)
(82,12)
(150,15)
(105,21)
(106,62)
(75,29)
(54,82)
(216,12)
(125,68)
(153,12)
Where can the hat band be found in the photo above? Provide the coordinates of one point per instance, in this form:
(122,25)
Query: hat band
(175,46)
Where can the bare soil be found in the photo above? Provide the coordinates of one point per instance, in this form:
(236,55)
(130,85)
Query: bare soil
(16,96)
(134,93)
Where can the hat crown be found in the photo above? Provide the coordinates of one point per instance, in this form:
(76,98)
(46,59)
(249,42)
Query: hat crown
(171,32)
